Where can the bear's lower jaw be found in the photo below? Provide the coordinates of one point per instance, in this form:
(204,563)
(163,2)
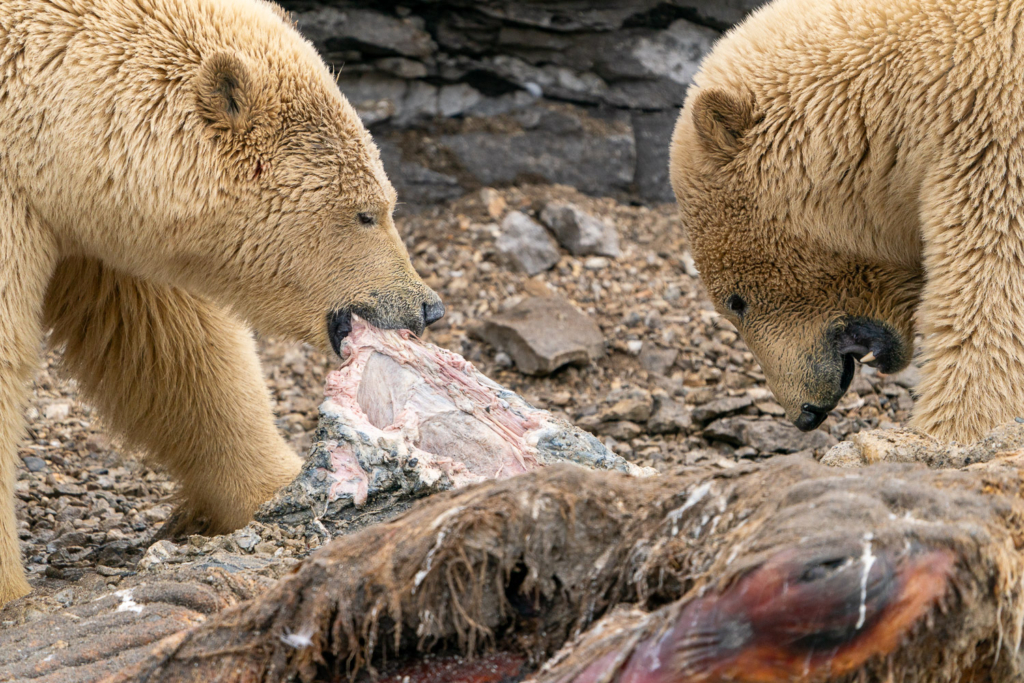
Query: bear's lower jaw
(339,326)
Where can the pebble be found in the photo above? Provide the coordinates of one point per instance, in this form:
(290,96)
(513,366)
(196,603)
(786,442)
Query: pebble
(34,464)
(57,411)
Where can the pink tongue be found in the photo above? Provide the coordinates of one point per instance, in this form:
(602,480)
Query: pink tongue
(394,395)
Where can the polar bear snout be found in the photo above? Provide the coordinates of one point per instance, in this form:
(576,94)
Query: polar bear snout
(869,341)
(388,312)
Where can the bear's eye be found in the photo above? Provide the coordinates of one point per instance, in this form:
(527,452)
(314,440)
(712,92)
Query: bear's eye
(736,304)
(366,219)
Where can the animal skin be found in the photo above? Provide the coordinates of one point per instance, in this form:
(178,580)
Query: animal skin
(171,172)
(781,572)
(851,173)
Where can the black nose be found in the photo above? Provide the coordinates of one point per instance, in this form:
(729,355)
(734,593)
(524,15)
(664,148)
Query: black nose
(432,312)
(810,417)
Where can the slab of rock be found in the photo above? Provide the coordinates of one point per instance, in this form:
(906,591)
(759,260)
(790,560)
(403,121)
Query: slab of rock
(635,405)
(525,243)
(909,445)
(404,419)
(656,360)
(767,436)
(723,406)
(579,232)
(541,334)
(669,416)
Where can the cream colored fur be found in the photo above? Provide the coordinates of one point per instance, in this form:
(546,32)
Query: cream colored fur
(172,171)
(879,172)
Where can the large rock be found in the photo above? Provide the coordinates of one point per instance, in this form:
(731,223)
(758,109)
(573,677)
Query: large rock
(767,436)
(525,243)
(579,232)
(542,334)
(475,83)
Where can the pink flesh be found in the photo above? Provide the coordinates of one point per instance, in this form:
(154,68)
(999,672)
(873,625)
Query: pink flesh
(443,411)
(349,476)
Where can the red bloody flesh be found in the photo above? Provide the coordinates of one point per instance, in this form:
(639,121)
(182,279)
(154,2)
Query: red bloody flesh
(792,620)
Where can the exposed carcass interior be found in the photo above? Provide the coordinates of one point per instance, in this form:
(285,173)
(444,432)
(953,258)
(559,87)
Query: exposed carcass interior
(403,418)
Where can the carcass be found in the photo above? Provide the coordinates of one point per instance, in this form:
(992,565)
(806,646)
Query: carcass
(403,419)
(763,573)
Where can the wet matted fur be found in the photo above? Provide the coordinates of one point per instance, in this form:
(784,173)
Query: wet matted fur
(787,571)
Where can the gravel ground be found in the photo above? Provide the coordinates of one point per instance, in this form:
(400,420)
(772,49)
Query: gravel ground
(88,509)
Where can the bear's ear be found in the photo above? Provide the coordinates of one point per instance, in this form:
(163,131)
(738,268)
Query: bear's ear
(224,92)
(721,119)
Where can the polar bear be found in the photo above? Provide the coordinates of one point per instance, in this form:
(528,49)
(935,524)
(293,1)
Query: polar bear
(172,172)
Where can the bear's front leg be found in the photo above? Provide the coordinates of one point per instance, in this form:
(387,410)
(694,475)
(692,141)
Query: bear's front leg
(972,310)
(27,257)
(178,377)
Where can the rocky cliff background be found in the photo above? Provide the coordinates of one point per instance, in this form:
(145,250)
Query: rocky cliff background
(462,95)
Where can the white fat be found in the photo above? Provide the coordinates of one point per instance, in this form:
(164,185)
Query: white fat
(695,497)
(299,640)
(868,560)
(127,603)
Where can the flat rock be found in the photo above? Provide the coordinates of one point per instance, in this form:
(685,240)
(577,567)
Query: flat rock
(723,406)
(669,416)
(525,243)
(907,445)
(542,334)
(634,405)
(579,232)
(767,436)
(657,360)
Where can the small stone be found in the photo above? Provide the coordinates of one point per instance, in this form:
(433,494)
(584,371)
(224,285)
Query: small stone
(493,202)
(634,347)
(157,554)
(636,406)
(526,244)
(34,464)
(723,406)
(579,232)
(844,455)
(669,416)
(770,436)
(266,548)
(247,539)
(596,263)
(541,334)
(657,360)
(57,411)
(909,377)
(503,359)
(157,514)
(746,452)
(771,408)
(623,430)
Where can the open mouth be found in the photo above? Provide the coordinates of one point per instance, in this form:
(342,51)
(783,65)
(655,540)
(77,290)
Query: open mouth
(339,326)
(872,343)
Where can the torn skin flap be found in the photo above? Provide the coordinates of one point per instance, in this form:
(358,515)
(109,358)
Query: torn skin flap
(793,621)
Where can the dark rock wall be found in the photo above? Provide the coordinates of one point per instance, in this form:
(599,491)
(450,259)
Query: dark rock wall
(463,94)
